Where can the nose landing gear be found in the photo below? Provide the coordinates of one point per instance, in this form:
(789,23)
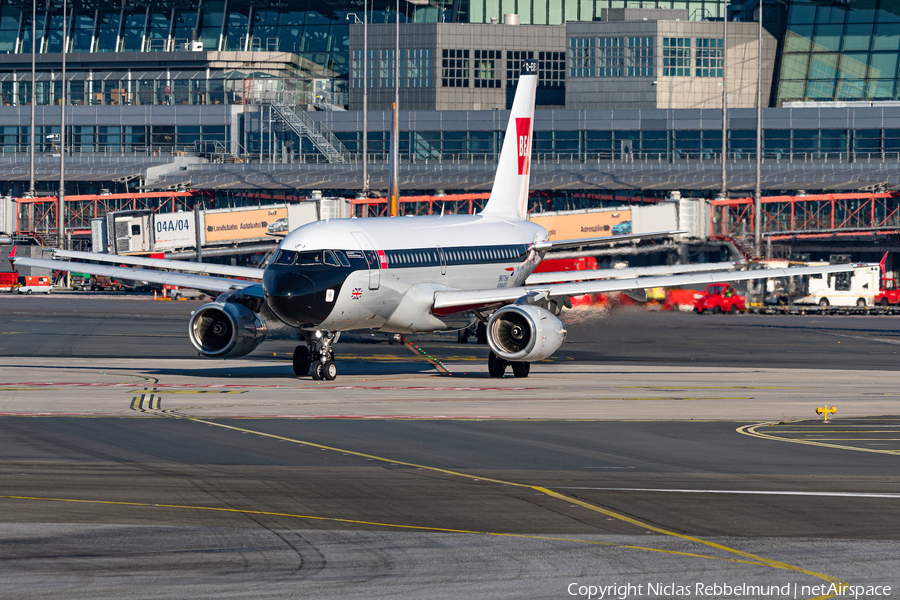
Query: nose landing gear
(316,357)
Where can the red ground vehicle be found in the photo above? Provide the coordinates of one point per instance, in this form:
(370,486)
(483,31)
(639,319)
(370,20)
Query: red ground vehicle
(8,281)
(719,297)
(888,294)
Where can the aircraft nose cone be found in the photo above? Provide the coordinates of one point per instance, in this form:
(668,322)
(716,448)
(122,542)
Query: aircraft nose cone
(295,298)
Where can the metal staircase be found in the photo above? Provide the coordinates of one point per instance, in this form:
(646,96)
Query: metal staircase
(321,137)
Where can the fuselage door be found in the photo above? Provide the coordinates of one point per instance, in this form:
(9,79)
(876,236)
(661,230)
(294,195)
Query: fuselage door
(368,251)
(443,260)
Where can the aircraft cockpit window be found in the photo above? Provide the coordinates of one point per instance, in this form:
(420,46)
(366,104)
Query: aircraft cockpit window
(343,258)
(331,259)
(309,258)
(285,257)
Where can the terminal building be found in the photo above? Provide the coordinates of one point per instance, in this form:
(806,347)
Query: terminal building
(245,100)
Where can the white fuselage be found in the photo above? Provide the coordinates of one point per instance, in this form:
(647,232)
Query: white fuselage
(416,256)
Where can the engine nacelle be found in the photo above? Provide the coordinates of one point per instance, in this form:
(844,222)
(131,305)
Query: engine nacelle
(226,330)
(524,333)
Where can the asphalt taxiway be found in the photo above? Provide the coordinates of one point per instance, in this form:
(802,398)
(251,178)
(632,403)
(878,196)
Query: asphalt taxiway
(652,448)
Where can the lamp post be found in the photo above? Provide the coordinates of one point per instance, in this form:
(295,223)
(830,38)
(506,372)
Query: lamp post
(365,76)
(61,203)
(757,194)
(725,102)
(33,94)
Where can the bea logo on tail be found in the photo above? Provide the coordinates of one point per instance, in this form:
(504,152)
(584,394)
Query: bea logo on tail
(523,133)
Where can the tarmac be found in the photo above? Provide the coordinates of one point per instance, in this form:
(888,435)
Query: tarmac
(651,450)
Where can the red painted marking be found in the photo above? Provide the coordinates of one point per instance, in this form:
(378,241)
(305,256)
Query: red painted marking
(382,259)
(510,269)
(523,143)
(140,383)
(428,388)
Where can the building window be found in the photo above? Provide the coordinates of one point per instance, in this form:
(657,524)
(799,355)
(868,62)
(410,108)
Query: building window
(677,57)
(610,57)
(582,57)
(552,69)
(418,67)
(708,61)
(486,68)
(640,57)
(455,68)
(514,59)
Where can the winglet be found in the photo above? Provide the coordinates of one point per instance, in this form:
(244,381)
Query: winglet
(882,263)
(12,254)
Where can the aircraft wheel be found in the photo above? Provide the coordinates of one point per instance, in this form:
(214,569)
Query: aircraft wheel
(318,371)
(481,335)
(301,361)
(521,369)
(462,336)
(496,365)
(329,370)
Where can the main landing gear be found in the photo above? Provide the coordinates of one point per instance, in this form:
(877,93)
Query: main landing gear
(316,357)
(497,366)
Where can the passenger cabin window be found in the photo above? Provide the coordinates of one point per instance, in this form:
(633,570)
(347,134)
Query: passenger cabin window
(286,257)
(309,258)
(345,262)
(331,259)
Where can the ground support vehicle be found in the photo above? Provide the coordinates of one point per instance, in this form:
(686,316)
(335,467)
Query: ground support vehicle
(176,292)
(719,297)
(79,281)
(888,294)
(33,285)
(103,283)
(859,288)
(8,281)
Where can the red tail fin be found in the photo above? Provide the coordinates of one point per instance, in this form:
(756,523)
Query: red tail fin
(882,263)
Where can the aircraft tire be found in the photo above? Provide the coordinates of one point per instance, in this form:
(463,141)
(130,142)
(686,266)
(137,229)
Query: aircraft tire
(462,336)
(301,361)
(318,372)
(521,369)
(496,365)
(329,370)
(481,335)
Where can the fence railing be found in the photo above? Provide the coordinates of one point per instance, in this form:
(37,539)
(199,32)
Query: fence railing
(471,158)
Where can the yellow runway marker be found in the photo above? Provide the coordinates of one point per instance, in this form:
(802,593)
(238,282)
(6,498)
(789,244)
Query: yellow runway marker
(750,558)
(145,403)
(752,431)
(378,524)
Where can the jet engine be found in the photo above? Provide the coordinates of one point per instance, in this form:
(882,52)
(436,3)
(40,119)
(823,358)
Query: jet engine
(524,333)
(226,330)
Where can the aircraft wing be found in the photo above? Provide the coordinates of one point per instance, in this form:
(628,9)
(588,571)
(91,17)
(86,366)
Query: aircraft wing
(609,239)
(590,274)
(198,282)
(160,263)
(446,301)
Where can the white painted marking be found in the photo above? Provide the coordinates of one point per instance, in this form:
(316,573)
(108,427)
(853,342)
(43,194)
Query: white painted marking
(756,492)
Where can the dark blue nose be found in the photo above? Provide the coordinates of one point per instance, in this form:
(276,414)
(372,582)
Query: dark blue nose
(300,296)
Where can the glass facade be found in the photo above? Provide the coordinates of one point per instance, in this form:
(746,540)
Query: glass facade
(840,52)
(611,57)
(557,12)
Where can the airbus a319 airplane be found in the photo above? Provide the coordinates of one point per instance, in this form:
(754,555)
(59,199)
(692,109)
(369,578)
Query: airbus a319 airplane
(406,275)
